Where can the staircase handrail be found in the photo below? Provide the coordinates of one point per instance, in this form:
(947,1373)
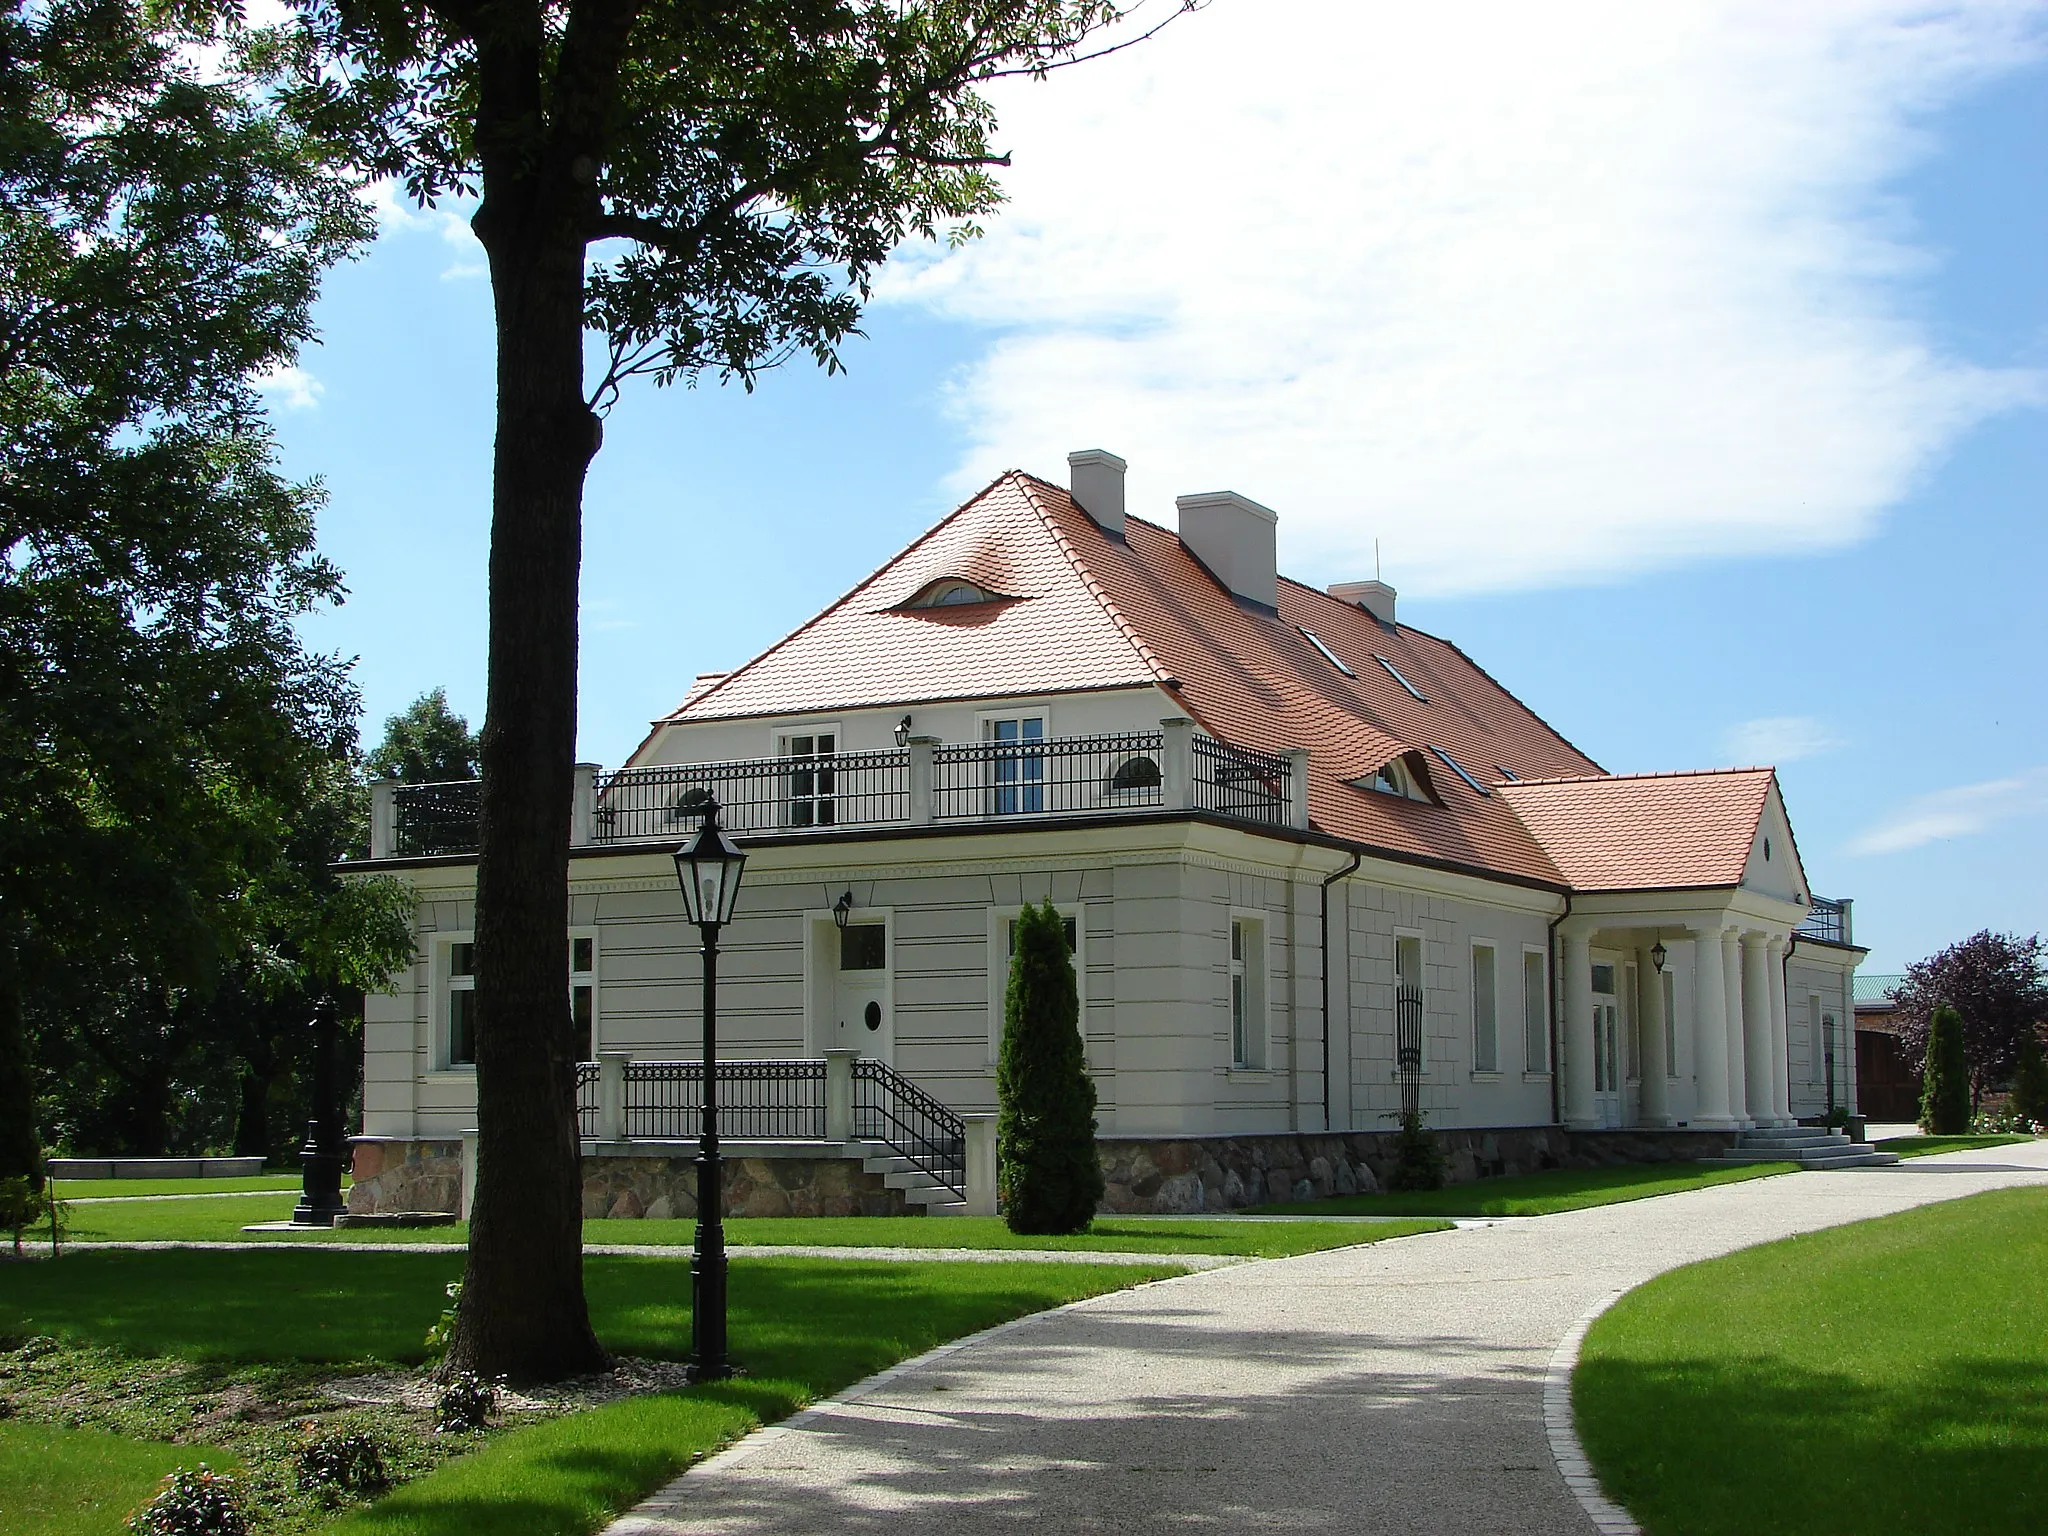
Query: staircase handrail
(891,1109)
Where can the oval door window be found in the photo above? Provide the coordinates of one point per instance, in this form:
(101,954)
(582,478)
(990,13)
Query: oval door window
(874,1015)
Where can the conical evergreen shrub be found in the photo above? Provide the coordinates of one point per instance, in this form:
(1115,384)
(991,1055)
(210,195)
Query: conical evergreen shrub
(1051,1179)
(1945,1080)
(2030,1080)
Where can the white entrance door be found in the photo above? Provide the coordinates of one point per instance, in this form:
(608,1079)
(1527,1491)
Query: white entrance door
(1606,1044)
(860,1017)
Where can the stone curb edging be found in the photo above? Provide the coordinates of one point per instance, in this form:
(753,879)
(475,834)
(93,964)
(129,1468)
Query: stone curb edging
(1608,1517)
(650,1516)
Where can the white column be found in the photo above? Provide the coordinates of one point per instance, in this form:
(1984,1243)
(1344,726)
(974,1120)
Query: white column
(920,779)
(981,1165)
(839,1095)
(383,818)
(1710,1031)
(583,805)
(1757,1041)
(1656,1109)
(611,1094)
(1781,1051)
(1575,1028)
(1731,1023)
(1177,762)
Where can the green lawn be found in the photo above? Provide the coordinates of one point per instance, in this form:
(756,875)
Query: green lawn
(94,1189)
(1888,1378)
(1927,1146)
(1536,1194)
(803,1328)
(80,1482)
(223,1220)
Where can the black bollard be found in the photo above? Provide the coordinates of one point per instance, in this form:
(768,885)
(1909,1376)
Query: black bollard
(320,1159)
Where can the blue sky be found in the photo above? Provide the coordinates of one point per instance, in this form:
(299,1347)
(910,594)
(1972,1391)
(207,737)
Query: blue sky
(1686,362)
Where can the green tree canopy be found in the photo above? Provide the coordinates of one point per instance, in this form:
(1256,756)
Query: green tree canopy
(427,744)
(162,232)
(1998,986)
(709,188)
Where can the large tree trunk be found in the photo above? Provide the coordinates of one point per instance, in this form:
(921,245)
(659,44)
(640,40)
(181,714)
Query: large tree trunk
(21,1152)
(522,1312)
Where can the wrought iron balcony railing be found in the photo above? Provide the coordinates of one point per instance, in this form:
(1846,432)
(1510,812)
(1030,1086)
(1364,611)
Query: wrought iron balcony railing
(925,783)
(1828,922)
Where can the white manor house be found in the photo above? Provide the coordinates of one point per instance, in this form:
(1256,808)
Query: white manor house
(1290,834)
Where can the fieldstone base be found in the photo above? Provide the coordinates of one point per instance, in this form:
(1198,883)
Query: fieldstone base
(665,1187)
(1180,1176)
(408,1176)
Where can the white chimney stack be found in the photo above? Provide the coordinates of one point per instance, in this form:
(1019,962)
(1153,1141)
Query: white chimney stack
(1375,597)
(1234,537)
(1097,478)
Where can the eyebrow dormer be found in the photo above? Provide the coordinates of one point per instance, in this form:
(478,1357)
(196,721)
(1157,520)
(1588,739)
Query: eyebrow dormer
(952,592)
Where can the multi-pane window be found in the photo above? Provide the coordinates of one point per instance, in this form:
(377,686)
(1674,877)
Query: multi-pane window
(1247,993)
(459,999)
(1410,1049)
(1485,1010)
(462,1004)
(813,780)
(1670,985)
(1535,1012)
(1017,767)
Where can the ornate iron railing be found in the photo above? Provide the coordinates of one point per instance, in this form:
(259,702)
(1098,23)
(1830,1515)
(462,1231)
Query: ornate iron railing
(1236,781)
(1408,1046)
(757,1100)
(589,1111)
(1828,922)
(1054,776)
(777,794)
(889,1108)
(437,818)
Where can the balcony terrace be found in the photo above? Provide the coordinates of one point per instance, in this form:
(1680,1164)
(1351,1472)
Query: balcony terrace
(924,783)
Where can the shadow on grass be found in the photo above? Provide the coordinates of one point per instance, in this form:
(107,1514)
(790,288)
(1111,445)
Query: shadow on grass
(1716,1447)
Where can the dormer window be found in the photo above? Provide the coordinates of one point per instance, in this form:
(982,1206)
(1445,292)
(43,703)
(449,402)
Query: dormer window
(952,592)
(1396,777)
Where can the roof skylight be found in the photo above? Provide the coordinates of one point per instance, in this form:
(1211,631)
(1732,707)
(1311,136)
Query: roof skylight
(1452,763)
(1328,655)
(1395,673)
(1507,773)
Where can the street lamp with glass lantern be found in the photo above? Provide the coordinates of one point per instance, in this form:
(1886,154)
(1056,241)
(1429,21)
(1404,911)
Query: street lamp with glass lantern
(708,869)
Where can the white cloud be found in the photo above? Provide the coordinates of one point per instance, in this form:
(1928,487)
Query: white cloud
(1959,812)
(295,388)
(1777,739)
(1531,294)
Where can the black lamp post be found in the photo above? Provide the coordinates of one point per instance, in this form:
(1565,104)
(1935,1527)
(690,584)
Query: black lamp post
(708,868)
(320,1158)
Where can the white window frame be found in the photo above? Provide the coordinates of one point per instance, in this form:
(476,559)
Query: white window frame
(444,983)
(1422,983)
(1537,1029)
(1492,1024)
(1816,1043)
(999,920)
(983,721)
(1631,1001)
(1668,980)
(787,801)
(1255,970)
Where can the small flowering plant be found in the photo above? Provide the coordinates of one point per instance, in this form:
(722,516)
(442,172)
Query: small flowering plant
(193,1503)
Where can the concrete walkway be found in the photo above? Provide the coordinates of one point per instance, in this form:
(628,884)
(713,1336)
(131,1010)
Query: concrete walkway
(1394,1388)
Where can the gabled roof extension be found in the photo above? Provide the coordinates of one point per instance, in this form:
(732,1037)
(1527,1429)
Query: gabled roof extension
(1647,831)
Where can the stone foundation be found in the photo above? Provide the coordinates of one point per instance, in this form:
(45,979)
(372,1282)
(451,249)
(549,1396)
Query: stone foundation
(395,1177)
(392,1176)
(662,1187)
(1181,1176)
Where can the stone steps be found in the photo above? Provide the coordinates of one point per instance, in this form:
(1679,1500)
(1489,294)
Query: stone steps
(919,1187)
(1808,1146)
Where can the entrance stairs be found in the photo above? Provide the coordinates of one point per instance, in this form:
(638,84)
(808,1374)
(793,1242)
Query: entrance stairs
(1807,1145)
(899,1172)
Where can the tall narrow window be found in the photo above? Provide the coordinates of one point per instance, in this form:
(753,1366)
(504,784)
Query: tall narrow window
(1816,1063)
(1247,992)
(1410,1047)
(1485,1011)
(1535,1012)
(1017,766)
(583,995)
(462,1004)
(1670,985)
(813,780)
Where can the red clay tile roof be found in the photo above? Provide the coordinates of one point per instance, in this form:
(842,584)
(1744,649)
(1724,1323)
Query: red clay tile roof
(1091,611)
(1650,831)
(1052,634)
